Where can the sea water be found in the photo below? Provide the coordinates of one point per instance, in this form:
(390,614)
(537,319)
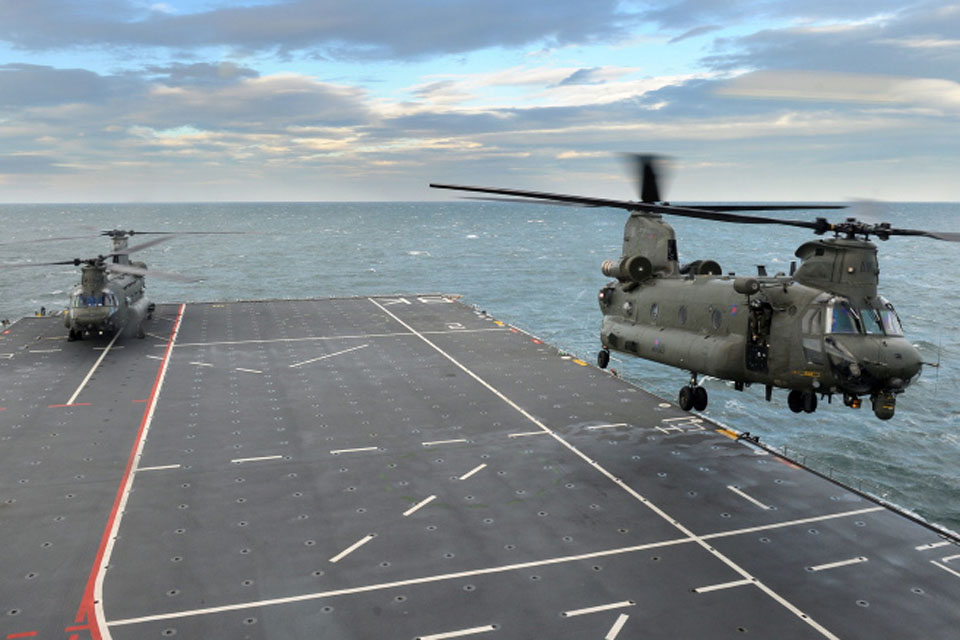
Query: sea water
(538,267)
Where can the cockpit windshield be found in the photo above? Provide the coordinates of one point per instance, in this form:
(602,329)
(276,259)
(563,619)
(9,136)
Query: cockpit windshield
(96,300)
(842,318)
(871,320)
(891,323)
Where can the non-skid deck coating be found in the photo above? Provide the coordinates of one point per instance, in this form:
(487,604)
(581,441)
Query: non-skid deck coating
(408,467)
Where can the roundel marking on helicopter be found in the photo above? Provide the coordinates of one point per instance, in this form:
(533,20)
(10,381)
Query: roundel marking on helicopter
(733,310)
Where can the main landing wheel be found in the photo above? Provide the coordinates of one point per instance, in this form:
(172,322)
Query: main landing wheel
(802,401)
(603,358)
(693,397)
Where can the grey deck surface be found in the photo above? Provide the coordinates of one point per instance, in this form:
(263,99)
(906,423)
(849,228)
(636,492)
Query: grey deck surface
(410,468)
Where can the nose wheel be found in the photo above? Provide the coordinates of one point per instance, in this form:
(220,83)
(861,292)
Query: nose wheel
(603,358)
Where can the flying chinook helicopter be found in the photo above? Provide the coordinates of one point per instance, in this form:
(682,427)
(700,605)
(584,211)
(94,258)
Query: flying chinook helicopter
(110,295)
(819,331)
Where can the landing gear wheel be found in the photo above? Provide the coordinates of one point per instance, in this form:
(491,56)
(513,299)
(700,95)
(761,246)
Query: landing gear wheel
(795,400)
(699,398)
(603,358)
(809,401)
(686,398)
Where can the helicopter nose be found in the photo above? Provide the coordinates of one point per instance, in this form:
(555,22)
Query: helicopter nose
(903,362)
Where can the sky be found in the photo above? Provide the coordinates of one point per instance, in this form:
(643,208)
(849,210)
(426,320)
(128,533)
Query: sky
(332,100)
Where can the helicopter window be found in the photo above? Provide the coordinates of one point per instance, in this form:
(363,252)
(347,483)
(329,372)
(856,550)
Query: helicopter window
(654,311)
(871,320)
(716,318)
(682,315)
(843,320)
(891,323)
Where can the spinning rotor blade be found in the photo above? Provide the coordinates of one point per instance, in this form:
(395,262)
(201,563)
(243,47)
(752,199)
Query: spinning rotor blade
(143,245)
(76,262)
(138,271)
(648,170)
(718,213)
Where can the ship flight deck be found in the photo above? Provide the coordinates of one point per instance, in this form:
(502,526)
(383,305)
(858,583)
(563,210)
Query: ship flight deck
(410,467)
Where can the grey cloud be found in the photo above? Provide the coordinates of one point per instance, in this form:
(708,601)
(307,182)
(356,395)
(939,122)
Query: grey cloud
(691,14)
(343,28)
(201,74)
(891,47)
(582,76)
(29,164)
(37,85)
(696,31)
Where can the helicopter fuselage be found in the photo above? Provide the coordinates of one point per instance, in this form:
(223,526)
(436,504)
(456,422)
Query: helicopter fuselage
(105,303)
(823,330)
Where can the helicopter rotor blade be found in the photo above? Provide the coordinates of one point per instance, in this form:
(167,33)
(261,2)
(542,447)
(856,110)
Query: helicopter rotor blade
(648,170)
(75,262)
(139,271)
(719,213)
(528,201)
(143,245)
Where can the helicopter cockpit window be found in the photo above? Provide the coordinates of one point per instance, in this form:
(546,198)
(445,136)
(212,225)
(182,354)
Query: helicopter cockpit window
(843,320)
(891,323)
(871,320)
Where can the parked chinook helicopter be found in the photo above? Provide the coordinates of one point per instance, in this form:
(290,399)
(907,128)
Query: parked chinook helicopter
(819,331)
(110,296)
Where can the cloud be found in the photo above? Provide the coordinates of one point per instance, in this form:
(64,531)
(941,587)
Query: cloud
(913,42)
(337,28)
(200,73)
(933,93)
(36,85)
(28,163)
(583,76)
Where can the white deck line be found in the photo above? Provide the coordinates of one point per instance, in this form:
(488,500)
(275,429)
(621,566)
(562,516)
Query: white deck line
(527,434)
(436,442)
(329,355)
(337,452)
(306,597)
(790,523)
(459,634)
(839,563)
(363,336)
(933,545)
(93,368)
(248,370)
(257,459)
(479,467)
(419,506)
(356,545)
(158,468)
(744,495)
(111,537)
(723,585)
(945,568)
(617,626)
(602,607)
(608,426)
(660,512)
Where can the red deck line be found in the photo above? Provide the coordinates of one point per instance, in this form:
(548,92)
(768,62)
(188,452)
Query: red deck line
(86,611)
(25,634)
